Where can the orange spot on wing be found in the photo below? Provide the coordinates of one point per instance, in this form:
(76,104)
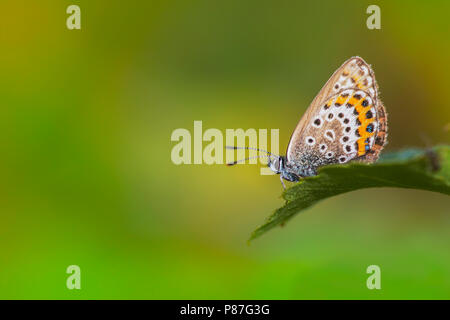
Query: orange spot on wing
(340,100)
(361,109)
(353,101)
(361,147)
(362,114)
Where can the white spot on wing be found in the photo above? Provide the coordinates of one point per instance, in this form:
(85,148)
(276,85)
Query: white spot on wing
(342,159)
(330,116)
(348,83)
(361,93)
(329,135)
(317,125)
(323,147)
(348,148)
(310,141)
(365,70)
(342,139)
(329,154)
(349,92)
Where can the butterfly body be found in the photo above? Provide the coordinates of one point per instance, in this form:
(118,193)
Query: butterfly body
(305,165)
(345,122)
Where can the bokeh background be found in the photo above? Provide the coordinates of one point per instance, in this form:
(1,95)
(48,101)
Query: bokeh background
(87,179)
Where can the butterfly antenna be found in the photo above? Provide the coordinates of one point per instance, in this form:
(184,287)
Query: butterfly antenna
(249,158)
(248,148)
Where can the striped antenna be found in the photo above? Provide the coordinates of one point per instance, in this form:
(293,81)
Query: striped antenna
(248,148)
(256,157)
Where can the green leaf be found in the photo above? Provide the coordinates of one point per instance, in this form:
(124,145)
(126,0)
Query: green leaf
(412,169)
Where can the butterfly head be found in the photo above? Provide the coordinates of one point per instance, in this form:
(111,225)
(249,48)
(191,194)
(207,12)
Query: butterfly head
(276,164)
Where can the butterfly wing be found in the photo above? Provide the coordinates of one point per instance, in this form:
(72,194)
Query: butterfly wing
(345,121)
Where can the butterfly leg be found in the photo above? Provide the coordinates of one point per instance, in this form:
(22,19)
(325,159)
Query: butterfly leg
(282,182)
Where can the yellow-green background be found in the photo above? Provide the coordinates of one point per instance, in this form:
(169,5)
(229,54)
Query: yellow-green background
(87,179)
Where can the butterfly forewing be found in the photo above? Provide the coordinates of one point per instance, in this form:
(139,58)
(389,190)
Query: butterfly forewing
(345,121)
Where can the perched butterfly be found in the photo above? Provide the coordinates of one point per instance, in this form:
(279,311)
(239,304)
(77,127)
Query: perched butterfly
(345,122)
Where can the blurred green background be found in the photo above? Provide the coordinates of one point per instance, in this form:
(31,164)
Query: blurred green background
(87,179)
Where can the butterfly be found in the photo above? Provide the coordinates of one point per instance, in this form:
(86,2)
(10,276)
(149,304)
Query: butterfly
(345,122)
